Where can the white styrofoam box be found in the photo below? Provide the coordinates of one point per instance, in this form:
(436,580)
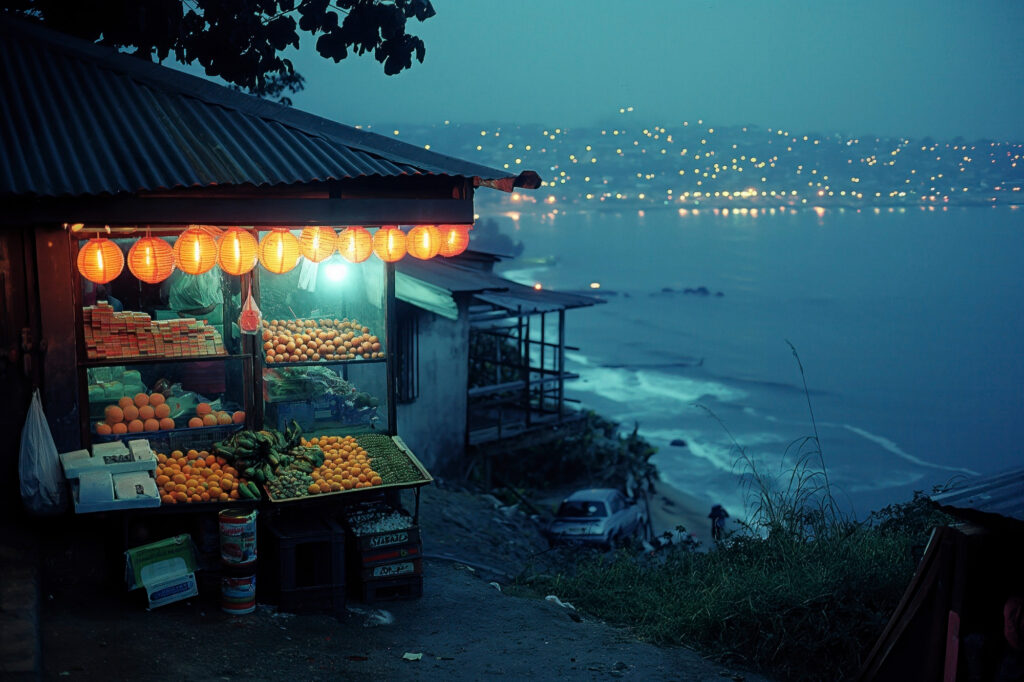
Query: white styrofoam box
(135,485)
(75,461)
(95,487)
(115,447)
(140,448)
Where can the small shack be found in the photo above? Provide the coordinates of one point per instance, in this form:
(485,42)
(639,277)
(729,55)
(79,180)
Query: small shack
(949,625)
(100,139)
(482,358)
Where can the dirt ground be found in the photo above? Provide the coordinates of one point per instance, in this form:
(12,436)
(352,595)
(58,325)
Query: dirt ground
(466,626)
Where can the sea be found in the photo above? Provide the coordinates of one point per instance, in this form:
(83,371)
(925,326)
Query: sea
(893,335)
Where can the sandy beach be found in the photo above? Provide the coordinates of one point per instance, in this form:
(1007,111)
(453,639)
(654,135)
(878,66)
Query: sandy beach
(670,507)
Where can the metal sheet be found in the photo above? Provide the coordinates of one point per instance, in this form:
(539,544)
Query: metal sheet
(81,119)
(1001,494)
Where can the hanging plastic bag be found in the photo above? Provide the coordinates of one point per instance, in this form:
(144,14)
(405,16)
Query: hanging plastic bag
(250,321)
(42,482)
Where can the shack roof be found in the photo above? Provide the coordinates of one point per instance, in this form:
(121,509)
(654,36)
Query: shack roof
(431,284)
(81,119)
(986,497)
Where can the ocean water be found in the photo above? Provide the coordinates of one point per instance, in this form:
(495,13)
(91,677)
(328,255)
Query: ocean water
(909,326)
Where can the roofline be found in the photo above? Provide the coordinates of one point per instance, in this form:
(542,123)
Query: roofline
(167,78)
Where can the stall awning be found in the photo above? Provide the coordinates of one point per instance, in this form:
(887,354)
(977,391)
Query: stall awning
(82,119)
(431,285)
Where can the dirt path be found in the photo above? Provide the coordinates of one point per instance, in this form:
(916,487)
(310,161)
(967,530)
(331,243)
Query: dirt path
(463,628)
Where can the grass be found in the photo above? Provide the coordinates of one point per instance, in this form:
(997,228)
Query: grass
(801,592)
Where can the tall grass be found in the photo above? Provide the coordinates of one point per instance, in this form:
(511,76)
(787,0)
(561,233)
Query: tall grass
(801,592)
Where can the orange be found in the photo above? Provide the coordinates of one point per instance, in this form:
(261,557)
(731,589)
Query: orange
(223,418)
(119,428)
(162,410)
(113,414)
(224,497)
(203,408)
(209,420)
(176,454)
(161,479)
(180,496)
(196,497)
(141,399)
(195,422)
(161,457)
(130,412)
(157,399)
(103,429)
(313,489)
(166,423)
(179,478)
(238,417)
(124,402)
(167,499)
(146,412)
(233,495)
(151,425)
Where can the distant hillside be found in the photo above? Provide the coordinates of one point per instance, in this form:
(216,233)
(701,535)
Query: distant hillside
(636,163)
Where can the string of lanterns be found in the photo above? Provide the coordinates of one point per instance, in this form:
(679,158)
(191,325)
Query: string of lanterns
(152,260)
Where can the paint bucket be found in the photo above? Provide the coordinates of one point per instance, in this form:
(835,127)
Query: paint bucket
(238,593)
(238,536)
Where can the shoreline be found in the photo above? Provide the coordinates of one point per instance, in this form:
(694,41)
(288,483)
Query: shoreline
(670,507)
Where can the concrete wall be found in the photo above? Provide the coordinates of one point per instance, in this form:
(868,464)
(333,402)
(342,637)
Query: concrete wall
(434,425)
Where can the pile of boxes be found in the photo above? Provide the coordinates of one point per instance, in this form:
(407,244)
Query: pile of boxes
(118,335)
(385,553)
(114,476)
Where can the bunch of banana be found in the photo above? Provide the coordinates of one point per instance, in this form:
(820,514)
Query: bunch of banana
(264,455)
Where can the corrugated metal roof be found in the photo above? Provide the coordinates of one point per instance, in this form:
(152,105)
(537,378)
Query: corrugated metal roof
(491,288)
(81,119)
(1000,494)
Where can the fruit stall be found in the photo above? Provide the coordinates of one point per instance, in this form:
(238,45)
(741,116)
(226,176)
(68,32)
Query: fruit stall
(250,369)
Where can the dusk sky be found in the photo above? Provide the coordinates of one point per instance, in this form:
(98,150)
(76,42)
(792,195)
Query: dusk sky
(888,67)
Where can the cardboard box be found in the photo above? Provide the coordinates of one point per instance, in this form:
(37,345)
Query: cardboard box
(165,569)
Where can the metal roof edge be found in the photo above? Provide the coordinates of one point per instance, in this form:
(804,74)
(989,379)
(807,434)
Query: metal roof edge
(166,78)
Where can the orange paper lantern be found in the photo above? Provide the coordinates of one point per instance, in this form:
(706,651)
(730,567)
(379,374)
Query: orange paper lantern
(151,260)
(318,243)
(236,251)
(355,244)
(279,251)
(423,242)
(389,243)
(100,260)
(195,252)
(454,240)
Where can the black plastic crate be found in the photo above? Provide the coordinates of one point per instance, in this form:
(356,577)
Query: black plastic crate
(303,566)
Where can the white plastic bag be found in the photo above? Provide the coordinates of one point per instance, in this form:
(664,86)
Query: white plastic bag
(42,483)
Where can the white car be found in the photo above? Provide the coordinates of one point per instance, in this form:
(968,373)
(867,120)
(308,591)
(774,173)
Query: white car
(600,517)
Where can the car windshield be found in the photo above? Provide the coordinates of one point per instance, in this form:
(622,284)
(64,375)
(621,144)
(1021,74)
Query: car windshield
(582,508)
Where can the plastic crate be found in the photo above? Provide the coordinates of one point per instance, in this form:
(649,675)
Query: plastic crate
(305,565)
(388,555)
(185,439)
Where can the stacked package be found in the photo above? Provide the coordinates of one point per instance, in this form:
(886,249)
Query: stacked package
(114,335)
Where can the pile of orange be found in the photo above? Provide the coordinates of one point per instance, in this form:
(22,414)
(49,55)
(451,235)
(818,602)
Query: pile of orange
(195,476)
(323,339)
(207,416)
(135,415)
(346,465)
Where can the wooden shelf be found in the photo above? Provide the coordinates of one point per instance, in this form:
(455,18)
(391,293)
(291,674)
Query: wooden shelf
(307,363)
(155,359)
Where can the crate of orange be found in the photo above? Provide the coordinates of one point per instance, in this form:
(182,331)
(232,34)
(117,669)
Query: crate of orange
(149,416)
(196,477)
(352,465)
